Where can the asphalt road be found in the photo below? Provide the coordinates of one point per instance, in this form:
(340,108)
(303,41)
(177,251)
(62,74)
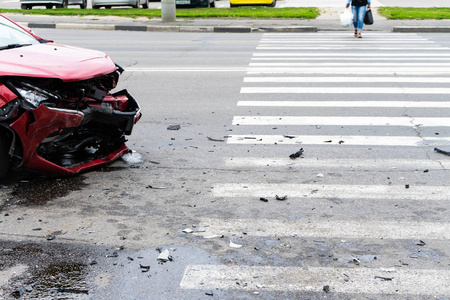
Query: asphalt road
(366,214)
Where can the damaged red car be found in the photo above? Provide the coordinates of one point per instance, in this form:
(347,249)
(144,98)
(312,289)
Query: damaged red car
(58,114)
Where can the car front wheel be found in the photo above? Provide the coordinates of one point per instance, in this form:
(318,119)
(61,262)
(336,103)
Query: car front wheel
(25,6)
(213,3)
(84,5)
(145,5)
(137,4)
(273,3)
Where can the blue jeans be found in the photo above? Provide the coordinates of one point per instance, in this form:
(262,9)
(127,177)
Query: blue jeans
(358,16)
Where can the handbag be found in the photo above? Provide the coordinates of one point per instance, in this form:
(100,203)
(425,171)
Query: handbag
(368,17)
(346,17)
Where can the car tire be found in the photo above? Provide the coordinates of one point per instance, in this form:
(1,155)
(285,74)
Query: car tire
(137,5)
(5,159)
(145,5)
(25,6)
(84,5)
(63,5)
(49,6)
(273,4)
(213,3)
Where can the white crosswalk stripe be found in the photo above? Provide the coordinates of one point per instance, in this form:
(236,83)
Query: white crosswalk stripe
(370,281)
(342,140)
(310,81)
(344,191)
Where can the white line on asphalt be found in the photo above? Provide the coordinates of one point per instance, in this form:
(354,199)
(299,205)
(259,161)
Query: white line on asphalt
(390,104)
(349,164)
(335,42)
(326,228)
(318,58)
(334,34)
(188,69)
(343,90)
(399,71)
(340,121)
(352,281)
(348,64)
(350,79)
(437,48)
(348,54)
(340,140)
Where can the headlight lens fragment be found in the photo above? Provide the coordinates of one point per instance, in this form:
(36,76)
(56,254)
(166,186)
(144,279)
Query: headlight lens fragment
(32,96)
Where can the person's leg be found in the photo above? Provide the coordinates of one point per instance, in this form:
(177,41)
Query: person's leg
(361,14)
(355,19)
(355,16)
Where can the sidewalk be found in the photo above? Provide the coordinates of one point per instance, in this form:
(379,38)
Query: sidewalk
(328,21)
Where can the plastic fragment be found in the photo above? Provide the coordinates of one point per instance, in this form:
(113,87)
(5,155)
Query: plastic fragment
(296,154)
(384,278)
(174,127)
(164,256)
(233,245)
(212,236)
(215,140)
(442,151)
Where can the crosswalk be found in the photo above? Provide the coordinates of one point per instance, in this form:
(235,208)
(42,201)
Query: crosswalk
(387,91)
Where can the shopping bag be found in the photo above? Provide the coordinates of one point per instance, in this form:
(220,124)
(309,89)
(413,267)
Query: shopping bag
(347,17)
(368,18)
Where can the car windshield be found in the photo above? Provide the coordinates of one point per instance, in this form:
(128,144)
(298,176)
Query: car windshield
(12,36)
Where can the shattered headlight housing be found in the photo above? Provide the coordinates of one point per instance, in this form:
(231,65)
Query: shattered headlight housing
(33,94)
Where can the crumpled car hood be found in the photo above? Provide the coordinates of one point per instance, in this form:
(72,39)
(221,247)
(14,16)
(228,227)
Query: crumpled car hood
(52,60)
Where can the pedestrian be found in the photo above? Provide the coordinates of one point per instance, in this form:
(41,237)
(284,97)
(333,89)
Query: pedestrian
(359,8)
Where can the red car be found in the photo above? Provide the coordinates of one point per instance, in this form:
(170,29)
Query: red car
(58,115)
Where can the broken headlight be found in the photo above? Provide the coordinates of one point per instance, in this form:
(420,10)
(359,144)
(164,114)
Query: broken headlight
(33,94)
(34,97)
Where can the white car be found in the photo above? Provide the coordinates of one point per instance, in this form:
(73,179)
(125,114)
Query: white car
(96,4)
(28,4)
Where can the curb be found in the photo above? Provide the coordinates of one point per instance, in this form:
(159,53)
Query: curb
(421,29)
(224,29)
(219,29)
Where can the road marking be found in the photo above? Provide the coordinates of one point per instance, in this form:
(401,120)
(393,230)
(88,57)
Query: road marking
(367,58)
(267,42)
(347,54)
(341,121)
(350,80)
(399,71)
(390,104)
(346,34)
(188,69)
(328,228)
(336,47)
(343,90)
(381,192)
(347,64)
(339,163)
(340,43)
(341,140)
(352,281)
